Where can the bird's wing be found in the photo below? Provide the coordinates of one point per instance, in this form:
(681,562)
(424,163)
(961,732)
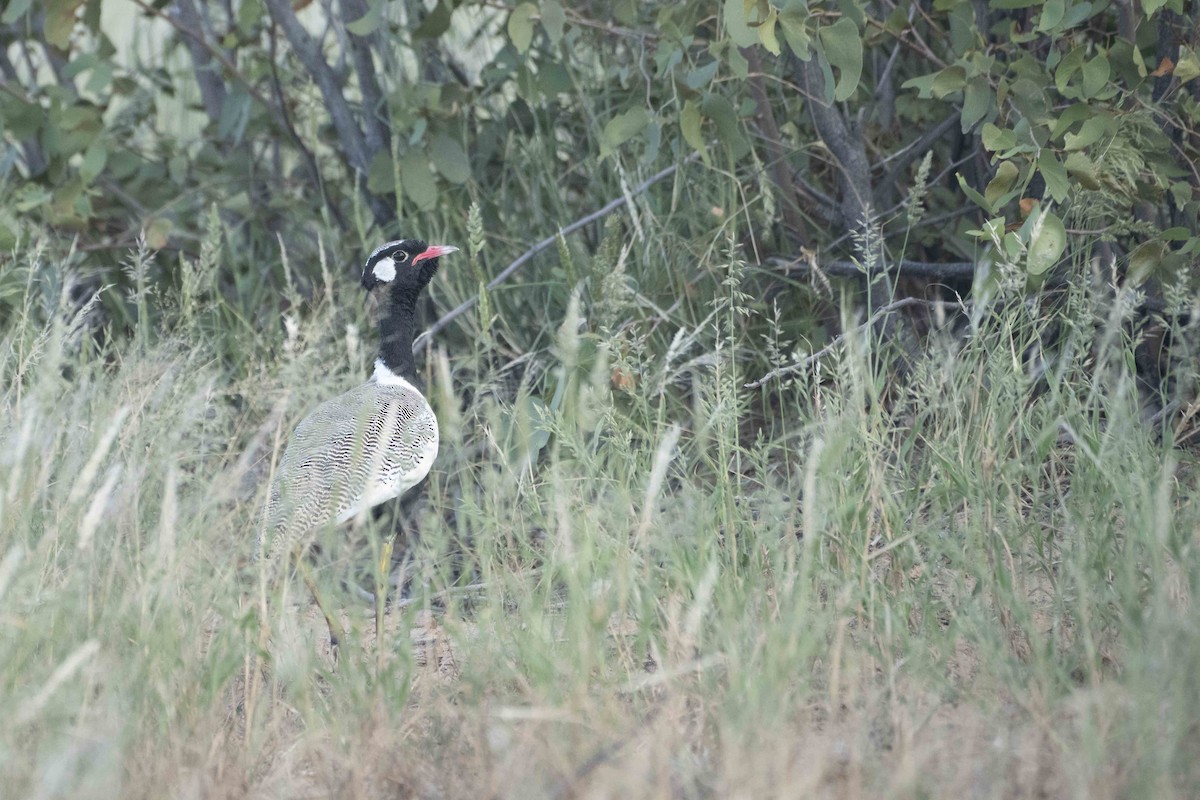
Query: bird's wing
(352,452)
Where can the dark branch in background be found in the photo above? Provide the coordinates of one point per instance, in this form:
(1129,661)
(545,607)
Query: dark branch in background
(885,86)
(354,145)
(845,142)
(425,338)
(1166,46)
(378,132)
(310,161)
(905,158)
(793,222)
(207,70)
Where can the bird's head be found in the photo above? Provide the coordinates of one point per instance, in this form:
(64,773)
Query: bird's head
(403,264)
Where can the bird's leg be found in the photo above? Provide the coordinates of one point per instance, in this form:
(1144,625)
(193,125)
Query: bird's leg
(335,628)
(381,587)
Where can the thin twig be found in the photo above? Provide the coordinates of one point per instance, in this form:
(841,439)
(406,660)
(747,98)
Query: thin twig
(425,338)
(805,362)
(941,270)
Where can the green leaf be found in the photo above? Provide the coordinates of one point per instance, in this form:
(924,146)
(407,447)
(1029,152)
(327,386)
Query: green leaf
(91,15)
(554,79)
(554,19)
(449,158)
(1182,192)
(977,101)
(1091,132)
(792,19)
(1095,75)
(1047,243)
(1055,176)
(1188,66)
(60,21)
(1150,6)
(1067,67)
(1076,14)
(101,78)
(369,22)
(999,186)
(971,194)
(952,79)
(689,126)
(1012,246)
(381,177)
(737,27)
(922,83)
(651,142)
(700,77)
(1074,114)
(1144,261)
(1014,3)
(622,128)
(235,114)
(844,48)
(737,62)
(416,181)
(1052,14)
(16,9)
(996,139)
(436,22)
(766,32)
(717,108)
(19,118)
(520,26)
(249,15)
(1082,170)
(158,233)
(94,160)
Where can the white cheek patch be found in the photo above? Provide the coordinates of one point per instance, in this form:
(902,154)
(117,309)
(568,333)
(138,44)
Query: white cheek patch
(385,270)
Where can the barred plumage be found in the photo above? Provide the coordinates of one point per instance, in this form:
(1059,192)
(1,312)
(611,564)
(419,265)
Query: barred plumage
(362,448)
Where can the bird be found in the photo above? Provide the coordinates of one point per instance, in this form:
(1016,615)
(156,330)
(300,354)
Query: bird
(366,446)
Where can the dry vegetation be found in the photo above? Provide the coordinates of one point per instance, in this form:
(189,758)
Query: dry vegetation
(977,584)
(952,553)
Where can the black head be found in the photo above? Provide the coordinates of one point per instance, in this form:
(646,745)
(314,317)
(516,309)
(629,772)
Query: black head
(407,263)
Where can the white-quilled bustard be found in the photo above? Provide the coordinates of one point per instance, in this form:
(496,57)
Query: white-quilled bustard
(366,446)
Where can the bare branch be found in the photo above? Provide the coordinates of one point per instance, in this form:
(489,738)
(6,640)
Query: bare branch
(793,222)
(207,70)
(911,152)
(310,161)
(357,153)
(948,270)
(844,142)
(377,132)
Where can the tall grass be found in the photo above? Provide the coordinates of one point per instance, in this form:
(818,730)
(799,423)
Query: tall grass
(632,576)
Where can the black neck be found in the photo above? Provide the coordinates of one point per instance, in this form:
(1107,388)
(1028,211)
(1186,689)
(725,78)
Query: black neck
(397,328)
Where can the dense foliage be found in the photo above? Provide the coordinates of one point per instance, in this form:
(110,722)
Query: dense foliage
(966,132)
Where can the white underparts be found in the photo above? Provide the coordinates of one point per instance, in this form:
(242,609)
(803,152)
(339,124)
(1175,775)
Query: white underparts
(385,270)
(385,377)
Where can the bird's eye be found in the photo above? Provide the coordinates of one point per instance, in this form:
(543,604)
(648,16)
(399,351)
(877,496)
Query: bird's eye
(401,257)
